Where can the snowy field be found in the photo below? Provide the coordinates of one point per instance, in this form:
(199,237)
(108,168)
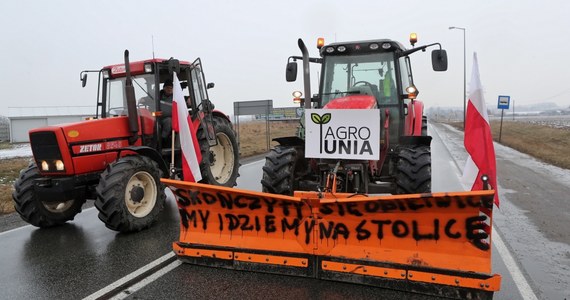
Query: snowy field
(18,150)
(562,122)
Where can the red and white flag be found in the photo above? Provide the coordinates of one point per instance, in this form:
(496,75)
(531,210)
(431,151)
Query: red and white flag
(478,139)
(182,124)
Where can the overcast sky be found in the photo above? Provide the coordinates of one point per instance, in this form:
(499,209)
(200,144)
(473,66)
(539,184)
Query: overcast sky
(522,46)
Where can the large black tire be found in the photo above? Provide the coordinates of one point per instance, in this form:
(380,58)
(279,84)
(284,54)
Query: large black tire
(279,170)
(36,212)
(413,170)
(424,126)
(130,195)
(220,163)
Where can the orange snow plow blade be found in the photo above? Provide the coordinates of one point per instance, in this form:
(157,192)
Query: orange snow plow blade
(435,244)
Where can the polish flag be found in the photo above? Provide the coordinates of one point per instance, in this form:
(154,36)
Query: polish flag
(191,155)
(478,139)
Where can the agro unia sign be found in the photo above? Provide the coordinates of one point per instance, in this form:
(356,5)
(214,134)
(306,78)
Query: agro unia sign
(342,133)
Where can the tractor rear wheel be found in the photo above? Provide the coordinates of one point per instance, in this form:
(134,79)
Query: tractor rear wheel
(40,213)
(220,163)
(279,171)
(413,170)
(130,195)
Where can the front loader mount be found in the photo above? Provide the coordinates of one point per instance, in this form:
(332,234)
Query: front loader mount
(437,244)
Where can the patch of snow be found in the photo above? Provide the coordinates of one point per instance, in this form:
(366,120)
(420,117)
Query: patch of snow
(18,150)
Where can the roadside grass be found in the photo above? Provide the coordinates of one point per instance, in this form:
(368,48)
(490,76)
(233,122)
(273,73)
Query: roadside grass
(545,143)
(9,172)
(252,142)
(252,135)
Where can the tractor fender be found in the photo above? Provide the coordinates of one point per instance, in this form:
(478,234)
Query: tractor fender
(290,141)
(415,140)
(413,123)
(220,114)
(152,154)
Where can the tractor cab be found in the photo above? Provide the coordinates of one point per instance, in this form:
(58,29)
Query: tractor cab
(362,68)
(370,74)
(153,105)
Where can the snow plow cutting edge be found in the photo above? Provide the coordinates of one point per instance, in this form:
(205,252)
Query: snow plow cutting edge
(433,243)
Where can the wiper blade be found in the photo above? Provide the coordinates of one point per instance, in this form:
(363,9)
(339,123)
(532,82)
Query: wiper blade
(346,92)
(145,91)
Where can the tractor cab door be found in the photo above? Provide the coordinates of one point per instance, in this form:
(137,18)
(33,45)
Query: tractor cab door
(200,97)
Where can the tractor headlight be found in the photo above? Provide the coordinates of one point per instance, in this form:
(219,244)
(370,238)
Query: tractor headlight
(329,50)
(59,165)
(45,165)
(341,48)
(148,68)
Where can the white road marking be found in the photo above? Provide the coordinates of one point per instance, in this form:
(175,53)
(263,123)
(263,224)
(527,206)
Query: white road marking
(134,274)
(520,281)
(253,163)
(28,226)
(14,230)
(128,292)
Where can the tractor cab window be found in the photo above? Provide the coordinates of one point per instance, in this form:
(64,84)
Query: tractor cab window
(406,72)
(117,99)
(199,92)
(370,74)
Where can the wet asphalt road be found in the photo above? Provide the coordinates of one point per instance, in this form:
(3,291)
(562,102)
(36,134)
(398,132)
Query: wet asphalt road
(83,257)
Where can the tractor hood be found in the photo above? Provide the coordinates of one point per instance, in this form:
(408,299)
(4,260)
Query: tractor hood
(352,102)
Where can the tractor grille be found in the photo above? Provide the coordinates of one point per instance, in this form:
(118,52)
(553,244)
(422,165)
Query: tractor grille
(44,145)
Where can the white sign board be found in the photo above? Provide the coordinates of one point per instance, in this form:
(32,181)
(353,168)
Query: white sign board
(342,133)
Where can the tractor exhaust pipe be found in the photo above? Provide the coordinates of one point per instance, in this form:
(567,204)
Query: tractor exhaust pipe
(131,102)
(306,73)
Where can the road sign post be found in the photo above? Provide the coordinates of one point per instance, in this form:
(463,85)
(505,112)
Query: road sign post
(503,103)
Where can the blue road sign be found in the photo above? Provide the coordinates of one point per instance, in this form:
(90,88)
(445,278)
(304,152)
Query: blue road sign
(504,102)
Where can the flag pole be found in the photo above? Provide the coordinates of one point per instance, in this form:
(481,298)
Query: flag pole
(172,170)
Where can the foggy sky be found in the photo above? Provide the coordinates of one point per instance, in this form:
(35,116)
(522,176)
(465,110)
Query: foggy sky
(244,45)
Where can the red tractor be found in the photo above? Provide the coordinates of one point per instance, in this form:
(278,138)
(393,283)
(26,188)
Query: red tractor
(357,78)
(118,157)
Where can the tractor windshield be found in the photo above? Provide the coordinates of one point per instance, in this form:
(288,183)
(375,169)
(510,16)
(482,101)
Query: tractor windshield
(371,74)
(117,100)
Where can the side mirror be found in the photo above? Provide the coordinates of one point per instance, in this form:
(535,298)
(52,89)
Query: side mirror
(83,79)
(439,60)
(291,71)
(173,66)
(210,85)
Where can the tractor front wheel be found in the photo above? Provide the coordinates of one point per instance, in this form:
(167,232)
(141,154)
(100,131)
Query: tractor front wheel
(40,213)
(130,195)
(279,171)
(220,163)
(413,170)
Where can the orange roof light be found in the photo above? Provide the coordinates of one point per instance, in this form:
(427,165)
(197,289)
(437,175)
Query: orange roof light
(320,42)
(297,97)
(413,38)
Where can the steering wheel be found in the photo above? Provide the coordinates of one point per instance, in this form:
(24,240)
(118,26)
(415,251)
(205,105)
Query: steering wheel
(363,82)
